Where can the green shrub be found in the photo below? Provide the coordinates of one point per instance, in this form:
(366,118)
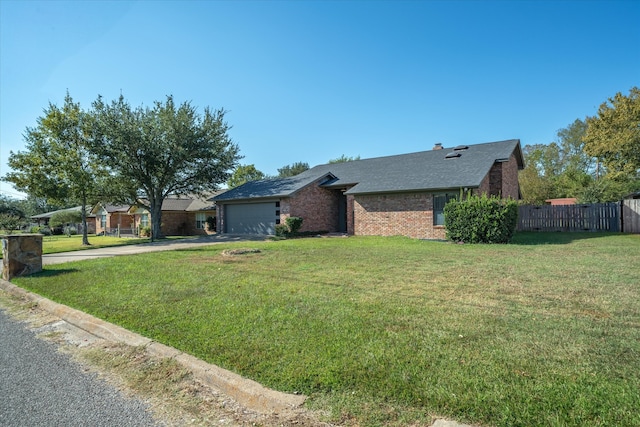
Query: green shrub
(63,218)
(282,230)
(145,231)
(293,223)
(70,230)
(290,227)
(45,231)
(481,219)
(35,229)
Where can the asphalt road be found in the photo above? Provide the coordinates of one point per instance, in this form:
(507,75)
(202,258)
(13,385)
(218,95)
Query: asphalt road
(40,386)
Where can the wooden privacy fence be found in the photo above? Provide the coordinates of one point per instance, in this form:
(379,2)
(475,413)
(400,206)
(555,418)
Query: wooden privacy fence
(584,217)
(631,216)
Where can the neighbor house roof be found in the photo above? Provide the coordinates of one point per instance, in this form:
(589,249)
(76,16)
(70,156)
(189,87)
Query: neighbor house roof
(50,214)
(187,203)
(447,168)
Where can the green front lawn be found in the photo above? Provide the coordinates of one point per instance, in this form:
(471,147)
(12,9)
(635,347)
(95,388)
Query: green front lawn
(393,331)
(57,244)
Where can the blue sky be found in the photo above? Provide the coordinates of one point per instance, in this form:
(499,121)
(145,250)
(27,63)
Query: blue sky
(313,80)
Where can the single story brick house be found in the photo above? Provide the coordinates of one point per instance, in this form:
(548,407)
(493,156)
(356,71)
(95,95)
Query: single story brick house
(395,195)
(111,217)
(181,216)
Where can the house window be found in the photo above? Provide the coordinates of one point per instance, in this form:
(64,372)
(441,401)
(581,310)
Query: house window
(144,220)
(277,204)
(201,220)
(103,221)
(439,200)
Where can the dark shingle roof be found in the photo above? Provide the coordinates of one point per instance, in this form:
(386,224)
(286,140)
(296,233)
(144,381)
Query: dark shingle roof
(266,188)
(76,208)
(425,170)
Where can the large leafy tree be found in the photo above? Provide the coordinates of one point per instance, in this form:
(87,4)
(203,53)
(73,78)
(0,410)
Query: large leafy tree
(58,164)
(613,136)
(344,159)
(292,170)
(11,215)
(243,174)
(163,150)
(538,178)
(559,169)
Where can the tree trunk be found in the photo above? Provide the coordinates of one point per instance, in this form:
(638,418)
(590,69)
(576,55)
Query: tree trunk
(155,208)
(83,212)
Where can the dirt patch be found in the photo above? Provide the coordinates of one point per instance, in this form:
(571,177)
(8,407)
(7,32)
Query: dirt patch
(240,251)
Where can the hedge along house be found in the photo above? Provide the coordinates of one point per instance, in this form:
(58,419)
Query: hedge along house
(395,195)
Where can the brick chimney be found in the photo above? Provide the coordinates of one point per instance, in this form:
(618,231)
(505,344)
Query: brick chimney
(438,146)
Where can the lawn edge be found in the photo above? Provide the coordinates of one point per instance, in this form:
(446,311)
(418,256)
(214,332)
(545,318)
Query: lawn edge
(246,392)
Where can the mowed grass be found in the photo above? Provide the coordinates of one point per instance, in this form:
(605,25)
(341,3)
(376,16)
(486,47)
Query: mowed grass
(57,244)
(63,243)
(393,331)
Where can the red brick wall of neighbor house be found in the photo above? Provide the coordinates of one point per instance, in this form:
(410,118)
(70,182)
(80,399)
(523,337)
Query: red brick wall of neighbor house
(406,214)
(176,223)
(317,206)
(113,220)
(502,180)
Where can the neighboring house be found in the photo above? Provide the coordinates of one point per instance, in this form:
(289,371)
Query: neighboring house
(395,195)
(111,218)
(43,219)
(181,215)
(562,201)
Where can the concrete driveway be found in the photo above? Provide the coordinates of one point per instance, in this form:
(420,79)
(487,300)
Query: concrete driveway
(164,245)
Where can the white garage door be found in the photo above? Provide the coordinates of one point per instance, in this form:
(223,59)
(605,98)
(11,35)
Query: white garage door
(250,218)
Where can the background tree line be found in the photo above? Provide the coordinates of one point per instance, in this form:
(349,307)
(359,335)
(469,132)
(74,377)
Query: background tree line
(593,160)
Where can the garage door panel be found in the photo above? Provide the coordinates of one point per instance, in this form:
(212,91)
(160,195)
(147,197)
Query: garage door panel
(250,218)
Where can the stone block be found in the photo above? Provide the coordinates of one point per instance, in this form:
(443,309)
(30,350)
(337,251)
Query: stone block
(21,255)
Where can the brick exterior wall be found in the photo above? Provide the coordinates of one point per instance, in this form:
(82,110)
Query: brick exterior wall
(113,220)
(405,214)
(502,180)
(350,217)
(317,206)
(179,223)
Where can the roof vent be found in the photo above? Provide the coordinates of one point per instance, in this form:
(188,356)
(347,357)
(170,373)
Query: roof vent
(452,155)
(461,147)
(438,146)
